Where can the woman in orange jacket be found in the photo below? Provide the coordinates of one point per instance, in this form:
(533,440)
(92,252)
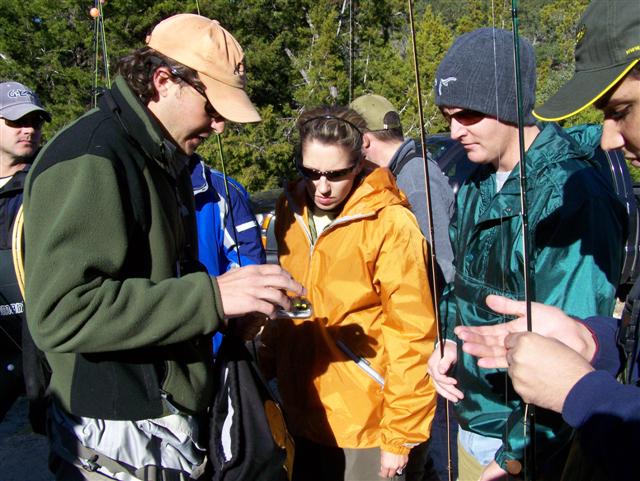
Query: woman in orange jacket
(353,375)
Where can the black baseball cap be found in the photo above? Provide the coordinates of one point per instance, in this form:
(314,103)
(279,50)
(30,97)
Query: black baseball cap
(607,48)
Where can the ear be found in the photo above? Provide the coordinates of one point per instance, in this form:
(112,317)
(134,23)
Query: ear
(161,81)
(366,140)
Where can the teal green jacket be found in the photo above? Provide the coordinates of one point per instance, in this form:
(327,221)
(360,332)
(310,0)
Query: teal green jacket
(121,313)
(576,227)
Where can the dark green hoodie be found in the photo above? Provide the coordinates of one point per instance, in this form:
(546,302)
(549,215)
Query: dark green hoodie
(121,313)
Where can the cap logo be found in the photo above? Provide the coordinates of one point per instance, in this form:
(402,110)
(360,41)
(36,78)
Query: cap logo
(582,31)
(444,82)
(15,93)
(239,69)
(631,50)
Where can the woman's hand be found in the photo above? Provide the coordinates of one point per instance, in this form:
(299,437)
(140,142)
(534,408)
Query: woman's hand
(392,464)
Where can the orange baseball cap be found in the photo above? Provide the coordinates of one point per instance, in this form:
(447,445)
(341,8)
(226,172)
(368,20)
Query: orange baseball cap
(203,45)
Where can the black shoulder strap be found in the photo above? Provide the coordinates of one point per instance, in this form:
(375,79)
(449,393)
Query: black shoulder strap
(404,161)
(629,333)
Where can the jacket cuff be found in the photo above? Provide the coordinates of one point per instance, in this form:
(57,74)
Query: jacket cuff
(395,449)
(502,457)
(590,392)
(607,355)
(221,323)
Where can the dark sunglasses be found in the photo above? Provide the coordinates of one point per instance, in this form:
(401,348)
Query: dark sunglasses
(313,174)
(465,117)
(208,108)
(30,120)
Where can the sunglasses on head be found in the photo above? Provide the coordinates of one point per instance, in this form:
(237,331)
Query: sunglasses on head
(209,109)
(35,121)
(465,117)
(313,174)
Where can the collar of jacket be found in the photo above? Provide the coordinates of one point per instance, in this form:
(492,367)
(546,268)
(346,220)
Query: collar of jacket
(552,145)
(198,175)
(16,183)
(143,129)
(376,191)
(407,149)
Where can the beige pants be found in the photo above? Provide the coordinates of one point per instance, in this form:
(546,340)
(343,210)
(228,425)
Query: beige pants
(469,469)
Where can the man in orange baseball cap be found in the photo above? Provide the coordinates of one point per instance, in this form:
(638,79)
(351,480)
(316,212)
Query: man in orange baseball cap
(117,299)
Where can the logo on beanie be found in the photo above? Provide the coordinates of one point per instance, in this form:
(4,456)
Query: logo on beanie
(444,82)
(582,31)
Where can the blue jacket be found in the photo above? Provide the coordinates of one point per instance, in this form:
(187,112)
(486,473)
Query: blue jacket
(216,218)
(605,412)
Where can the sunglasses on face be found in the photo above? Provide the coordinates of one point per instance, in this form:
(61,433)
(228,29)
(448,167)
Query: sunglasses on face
(465,117)
(313,174)
(35,121)
(208,108)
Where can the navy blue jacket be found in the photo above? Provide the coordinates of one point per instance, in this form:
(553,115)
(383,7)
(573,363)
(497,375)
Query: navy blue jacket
(605,412)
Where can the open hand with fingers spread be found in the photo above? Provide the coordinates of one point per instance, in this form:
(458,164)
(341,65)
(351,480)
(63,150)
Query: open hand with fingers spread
(488,342)
(257,289)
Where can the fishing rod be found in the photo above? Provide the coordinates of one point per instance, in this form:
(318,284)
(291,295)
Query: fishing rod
(432,250)
(529,415)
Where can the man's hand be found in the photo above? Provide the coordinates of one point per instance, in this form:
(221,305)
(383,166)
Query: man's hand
(493,472)
(392,464)
(438,366)
(487,342)
(258,288)
(543,370)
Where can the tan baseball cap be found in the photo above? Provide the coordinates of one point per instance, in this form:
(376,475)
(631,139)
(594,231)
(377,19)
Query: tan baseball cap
(377,112)
(203,45)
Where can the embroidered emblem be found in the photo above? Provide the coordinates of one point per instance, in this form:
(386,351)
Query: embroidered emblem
(445,82)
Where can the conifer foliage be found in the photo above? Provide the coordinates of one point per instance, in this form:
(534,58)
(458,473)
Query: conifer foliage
(299,54)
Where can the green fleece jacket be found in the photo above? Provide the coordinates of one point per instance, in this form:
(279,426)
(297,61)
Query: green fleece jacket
(576,227)
(119,311)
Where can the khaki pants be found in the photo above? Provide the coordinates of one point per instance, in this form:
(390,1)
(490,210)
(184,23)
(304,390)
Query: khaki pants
(577,468)
(469,469)
(316,462)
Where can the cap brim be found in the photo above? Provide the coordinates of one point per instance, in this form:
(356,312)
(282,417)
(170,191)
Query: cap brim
(232,103)
(16,112)
(581,91)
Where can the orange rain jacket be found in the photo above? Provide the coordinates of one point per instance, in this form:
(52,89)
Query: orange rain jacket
(367,281)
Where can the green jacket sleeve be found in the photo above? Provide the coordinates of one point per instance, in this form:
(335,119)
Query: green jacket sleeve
(448,308)
(577,266)
(75,255)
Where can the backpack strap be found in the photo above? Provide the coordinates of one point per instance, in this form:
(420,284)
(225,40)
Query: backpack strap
(400,165)
(17,248)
